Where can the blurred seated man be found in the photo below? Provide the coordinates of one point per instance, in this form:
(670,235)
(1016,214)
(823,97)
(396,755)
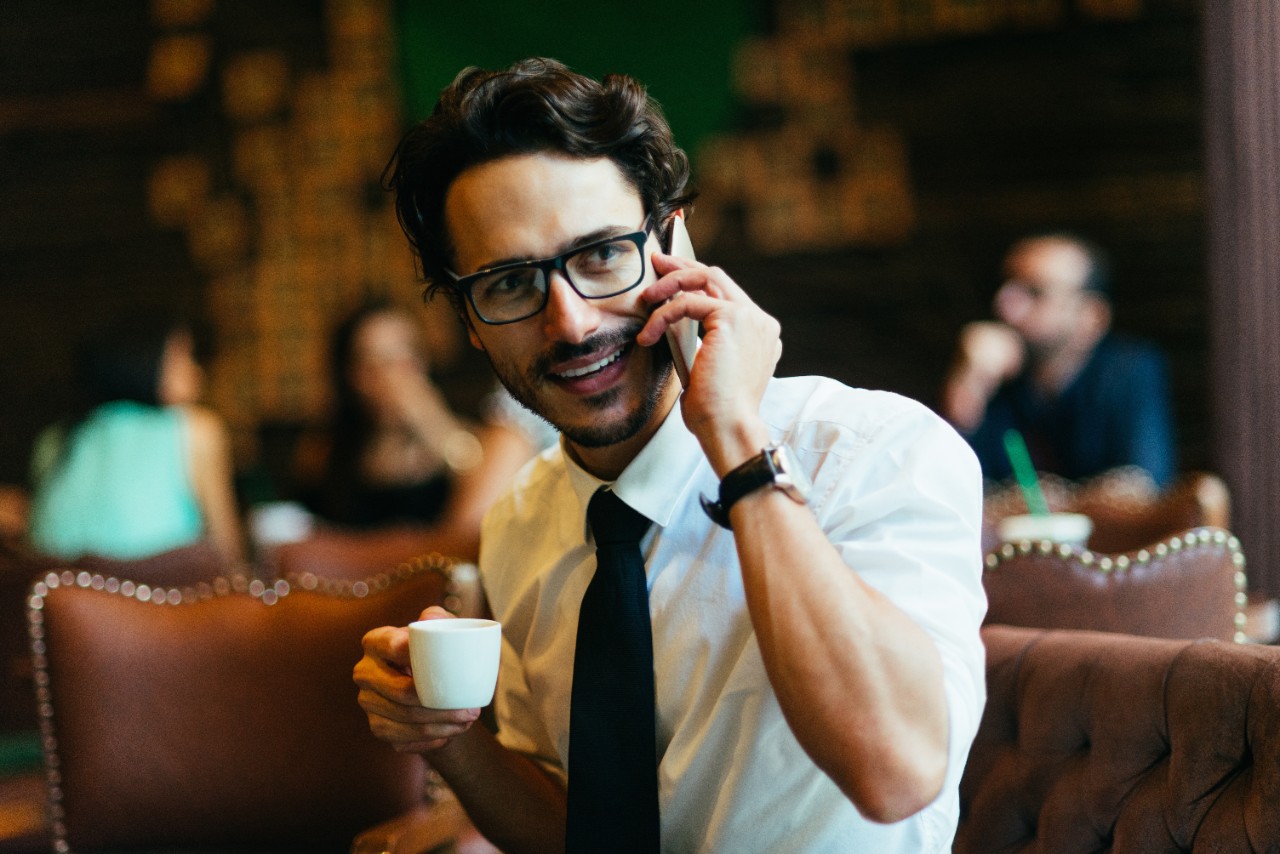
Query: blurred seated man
(1086,400)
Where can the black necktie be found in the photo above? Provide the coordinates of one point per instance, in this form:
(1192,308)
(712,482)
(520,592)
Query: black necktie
(613,760)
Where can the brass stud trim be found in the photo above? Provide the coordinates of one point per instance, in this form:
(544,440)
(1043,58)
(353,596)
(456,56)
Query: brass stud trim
(1197,538)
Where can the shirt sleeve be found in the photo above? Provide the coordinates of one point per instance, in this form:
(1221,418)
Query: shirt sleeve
(903,505)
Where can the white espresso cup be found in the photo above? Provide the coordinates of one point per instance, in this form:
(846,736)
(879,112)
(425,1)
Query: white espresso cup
(455,661)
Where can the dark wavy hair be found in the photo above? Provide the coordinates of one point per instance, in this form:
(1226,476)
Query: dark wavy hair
(536,105)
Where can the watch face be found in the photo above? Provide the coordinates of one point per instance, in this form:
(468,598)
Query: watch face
(790,476)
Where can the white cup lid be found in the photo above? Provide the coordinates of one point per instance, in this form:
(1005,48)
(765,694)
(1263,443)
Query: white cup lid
(1073,528)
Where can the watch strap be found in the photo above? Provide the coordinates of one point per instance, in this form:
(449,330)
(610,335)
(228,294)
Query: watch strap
(756,472)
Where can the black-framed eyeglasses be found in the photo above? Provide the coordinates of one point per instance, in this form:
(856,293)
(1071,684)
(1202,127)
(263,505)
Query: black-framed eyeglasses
(596,270)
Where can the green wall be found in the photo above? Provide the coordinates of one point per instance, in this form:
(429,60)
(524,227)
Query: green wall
(681,50)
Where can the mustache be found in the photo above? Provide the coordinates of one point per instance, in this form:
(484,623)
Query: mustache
(564,351)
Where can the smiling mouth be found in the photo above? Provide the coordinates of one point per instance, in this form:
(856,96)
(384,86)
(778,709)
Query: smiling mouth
(577,373)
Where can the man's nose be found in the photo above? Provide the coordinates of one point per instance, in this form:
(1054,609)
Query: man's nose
(568,316)
(1012,303)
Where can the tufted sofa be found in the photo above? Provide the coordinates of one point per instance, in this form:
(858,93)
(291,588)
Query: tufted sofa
(1095,741)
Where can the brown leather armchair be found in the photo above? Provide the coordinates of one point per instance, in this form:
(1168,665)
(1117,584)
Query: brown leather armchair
(1189,586)
(222,715)
(19,567)
(1105,742)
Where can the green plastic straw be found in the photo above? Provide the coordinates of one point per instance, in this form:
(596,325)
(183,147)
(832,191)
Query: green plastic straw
(1016,447)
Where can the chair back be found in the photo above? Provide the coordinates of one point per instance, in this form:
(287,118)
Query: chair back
(1189,586)
(356,554)
(1127,510)
(180,567)
(218,715)
(185,565)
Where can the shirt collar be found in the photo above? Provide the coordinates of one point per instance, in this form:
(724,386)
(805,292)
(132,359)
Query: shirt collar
(653,482)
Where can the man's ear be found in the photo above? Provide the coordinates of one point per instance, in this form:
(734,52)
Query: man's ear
(1097,314)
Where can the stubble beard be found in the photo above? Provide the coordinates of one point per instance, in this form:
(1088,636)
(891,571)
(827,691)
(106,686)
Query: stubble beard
(1042,352)
(523,387)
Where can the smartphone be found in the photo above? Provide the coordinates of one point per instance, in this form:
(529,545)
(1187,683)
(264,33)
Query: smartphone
(682,336)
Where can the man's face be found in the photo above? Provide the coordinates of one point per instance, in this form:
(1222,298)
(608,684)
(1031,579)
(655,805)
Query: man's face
(576,362)
(386,352)
(1043,294)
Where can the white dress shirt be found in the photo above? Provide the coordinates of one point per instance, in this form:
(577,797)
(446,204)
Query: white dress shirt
(899,494)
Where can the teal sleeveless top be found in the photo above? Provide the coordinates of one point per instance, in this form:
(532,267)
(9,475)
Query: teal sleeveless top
(122,489)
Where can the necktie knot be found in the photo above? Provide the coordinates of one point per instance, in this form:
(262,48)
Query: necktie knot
(612,521)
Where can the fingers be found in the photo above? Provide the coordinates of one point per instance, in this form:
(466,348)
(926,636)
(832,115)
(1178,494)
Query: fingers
(435,612)
(384,668)
(697,307)
(387,643)
(991,349)
(685,274)
(688,289)
(413,728)
(387,696)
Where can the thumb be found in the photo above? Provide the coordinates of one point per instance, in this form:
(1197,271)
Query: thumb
(435,612)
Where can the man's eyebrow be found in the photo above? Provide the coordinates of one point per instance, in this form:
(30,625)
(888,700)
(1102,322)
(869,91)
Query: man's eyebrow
(602,233)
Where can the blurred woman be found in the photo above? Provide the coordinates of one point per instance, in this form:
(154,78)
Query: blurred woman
(395,451)
(141,469)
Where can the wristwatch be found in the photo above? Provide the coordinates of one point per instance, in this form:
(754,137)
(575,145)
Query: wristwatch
(776,466)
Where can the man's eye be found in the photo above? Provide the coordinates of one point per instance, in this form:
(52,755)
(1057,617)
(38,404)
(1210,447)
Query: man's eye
(605,255)
(509,284)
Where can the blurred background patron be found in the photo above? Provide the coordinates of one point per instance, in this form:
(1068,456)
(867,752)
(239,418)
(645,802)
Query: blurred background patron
(394,451)
(139,468)
(1085,399)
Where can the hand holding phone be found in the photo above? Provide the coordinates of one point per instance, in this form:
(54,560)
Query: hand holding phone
(682,336)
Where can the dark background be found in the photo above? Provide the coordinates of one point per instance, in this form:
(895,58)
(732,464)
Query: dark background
(1084,124)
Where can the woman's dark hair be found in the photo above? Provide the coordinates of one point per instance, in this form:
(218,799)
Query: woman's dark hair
(122,361)
(536,105)
(351,425)
(118,361)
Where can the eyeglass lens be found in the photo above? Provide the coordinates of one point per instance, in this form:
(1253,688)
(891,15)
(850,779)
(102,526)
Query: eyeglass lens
(596,271)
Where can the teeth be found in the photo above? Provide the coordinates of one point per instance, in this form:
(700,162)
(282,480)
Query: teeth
(581,372)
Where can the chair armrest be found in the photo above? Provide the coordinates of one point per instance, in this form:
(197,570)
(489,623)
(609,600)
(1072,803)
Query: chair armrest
(424,829)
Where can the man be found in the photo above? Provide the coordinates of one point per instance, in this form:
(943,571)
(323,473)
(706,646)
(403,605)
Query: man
(817,673)
(1085,400)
